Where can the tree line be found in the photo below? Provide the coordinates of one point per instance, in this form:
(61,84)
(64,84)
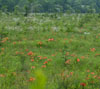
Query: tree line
(41,6)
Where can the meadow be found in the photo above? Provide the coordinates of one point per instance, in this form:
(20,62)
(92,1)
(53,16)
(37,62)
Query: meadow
(50,51)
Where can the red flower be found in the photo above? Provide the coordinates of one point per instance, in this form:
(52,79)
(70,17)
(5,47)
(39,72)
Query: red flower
(33,67)
(78,60)
(68,61)
(92,72)
(45,62)
(44,57)
(71,73)
(32,60)
(30,53)
(52,39)
(83,84)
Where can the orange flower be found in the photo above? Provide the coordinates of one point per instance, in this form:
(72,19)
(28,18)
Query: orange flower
(78,60)
(30,53)
(32,79)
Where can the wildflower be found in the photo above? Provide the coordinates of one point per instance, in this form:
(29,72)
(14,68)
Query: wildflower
(32,60)
(98,77)
(67,76)
(40,43)
(71,73)
(97,54)
(44,57)
(40,58)
(49,59)
(88,70)
(95,76)
(53,55)
(45,62)
(17,52)
(14,43)
(33,67)
(68,61)
(92,49)
(92,72)
(83,84)
(87,78)
(30,53)
(82,57)
(43,66)
(52,39)
(32,79)
(78,60)
(3,41)
(73,55)
(67,53)
(26,49)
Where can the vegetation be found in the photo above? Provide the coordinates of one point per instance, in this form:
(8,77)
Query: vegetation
(49,51)
(73,6)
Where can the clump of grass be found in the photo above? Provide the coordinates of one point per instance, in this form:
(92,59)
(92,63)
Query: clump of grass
(40,81)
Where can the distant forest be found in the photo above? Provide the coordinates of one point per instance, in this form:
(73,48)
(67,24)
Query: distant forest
(41,6)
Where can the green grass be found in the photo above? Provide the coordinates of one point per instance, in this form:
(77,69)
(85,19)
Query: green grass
(51,64)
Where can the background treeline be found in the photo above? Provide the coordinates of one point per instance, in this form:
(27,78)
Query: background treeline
(72,6)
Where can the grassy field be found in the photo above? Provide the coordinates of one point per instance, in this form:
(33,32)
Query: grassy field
(50,51)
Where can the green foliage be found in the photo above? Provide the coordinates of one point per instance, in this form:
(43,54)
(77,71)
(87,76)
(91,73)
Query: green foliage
(40,82)
(78,6)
